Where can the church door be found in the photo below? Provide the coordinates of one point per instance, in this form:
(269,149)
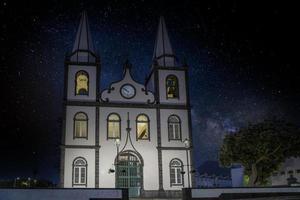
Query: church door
(129,173)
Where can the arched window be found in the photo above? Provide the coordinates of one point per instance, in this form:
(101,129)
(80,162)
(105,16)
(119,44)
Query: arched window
(79,171)
(80,125)
(142,127)
(82,83)
(174,127)
(176,167)
(113,126)
(172,87)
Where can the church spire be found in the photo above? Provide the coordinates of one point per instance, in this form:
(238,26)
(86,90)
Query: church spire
(163,53)
(83,49)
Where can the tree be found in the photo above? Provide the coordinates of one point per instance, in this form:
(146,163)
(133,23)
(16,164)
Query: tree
(261,148)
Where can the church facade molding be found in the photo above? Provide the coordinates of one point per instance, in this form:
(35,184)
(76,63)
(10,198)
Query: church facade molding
(114,92)
(80,146)
(126,97)
(127,105)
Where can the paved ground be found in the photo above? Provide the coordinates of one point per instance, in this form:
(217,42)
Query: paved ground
(265,198)
(275,198)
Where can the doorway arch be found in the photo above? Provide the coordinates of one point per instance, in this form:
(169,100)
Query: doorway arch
(129,172)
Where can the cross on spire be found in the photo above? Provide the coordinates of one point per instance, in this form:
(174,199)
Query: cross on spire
(163,53)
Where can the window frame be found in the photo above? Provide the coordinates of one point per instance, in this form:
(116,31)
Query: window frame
(139,121)
(177,88)
(180,131)
(176,176)
(74,125)
(85,166)
(107,126)
(88,83)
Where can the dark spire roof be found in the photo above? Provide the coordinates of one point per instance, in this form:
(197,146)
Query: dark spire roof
(163,53)
(83,49)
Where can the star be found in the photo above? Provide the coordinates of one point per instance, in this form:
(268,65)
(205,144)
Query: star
(240,67)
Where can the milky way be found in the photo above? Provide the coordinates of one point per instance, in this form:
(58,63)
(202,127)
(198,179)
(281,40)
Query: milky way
(239,57)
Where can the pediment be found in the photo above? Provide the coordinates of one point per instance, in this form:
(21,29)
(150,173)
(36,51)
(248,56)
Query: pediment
(127,90)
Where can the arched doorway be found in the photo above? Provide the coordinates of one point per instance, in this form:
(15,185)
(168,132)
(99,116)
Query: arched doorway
(129,173)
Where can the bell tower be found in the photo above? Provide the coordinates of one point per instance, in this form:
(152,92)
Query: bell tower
(82,66)
(167,78)
(80,121)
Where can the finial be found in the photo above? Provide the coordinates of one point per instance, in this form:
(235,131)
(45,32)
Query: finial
(127,64)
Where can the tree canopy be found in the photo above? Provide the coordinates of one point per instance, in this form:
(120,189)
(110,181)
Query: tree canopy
(261,148)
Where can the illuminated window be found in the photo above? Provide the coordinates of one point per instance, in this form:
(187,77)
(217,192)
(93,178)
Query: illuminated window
(80,125)
(176,167)
(172,87)
(174,128)
(142,127)
(79,171)
(113,126)
(82,83)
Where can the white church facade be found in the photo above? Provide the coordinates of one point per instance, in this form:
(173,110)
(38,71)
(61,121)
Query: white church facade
(129,135)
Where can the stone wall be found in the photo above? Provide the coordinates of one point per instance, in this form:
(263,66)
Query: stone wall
(63,194)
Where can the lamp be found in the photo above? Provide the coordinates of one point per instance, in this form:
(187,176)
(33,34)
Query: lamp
(117,143)
(186,143)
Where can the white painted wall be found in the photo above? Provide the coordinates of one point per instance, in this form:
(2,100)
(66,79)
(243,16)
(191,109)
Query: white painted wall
(164,115)
(167,156)
(216,192)
(237,176)
(108,151)
(114,95)
(70,155)
(59,194)
(162,86)
(146,148)
(291,164)
(72,70)
(91,113)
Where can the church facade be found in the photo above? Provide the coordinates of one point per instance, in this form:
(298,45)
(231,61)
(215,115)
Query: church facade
(129,135)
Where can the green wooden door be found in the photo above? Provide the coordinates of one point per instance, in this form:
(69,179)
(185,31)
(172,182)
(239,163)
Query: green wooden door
(129,174)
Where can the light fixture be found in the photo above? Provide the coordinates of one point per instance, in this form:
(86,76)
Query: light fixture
(117,142)
(186,143)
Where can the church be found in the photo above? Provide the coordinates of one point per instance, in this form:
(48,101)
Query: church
(130,135)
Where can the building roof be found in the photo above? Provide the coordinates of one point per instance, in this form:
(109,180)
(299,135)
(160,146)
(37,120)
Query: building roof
(163,52)
(83,49)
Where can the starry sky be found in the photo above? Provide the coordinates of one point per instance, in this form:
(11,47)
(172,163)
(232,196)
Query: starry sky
(241,56)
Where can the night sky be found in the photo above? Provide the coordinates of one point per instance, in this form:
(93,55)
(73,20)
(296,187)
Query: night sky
(241,57)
